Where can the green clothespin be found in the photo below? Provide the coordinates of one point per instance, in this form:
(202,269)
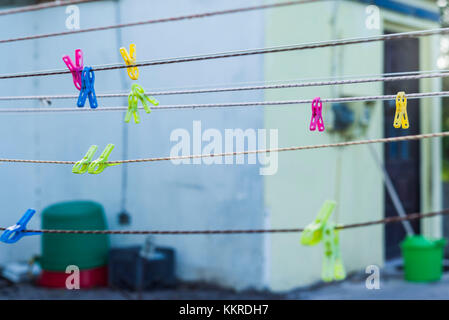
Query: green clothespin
(333,268)
(313,233)
(138,93)
(323,230)
(133,102)
(82,165)
(339,269)
(100,164)
(327,271)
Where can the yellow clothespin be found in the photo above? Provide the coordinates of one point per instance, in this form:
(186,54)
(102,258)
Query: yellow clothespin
(401,118)
(130,60)
(100,164)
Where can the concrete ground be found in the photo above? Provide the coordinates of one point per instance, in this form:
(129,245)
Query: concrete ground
(392,286)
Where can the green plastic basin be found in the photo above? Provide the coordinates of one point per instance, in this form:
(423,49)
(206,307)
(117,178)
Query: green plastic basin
(62,250)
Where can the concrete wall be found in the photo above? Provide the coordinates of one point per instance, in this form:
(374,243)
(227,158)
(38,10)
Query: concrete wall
(159,195)
(348,175)
(306,179)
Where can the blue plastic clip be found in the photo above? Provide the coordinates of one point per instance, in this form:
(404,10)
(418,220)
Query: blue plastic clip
(87,89)
(16,232)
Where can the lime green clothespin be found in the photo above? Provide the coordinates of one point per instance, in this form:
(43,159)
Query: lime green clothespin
(323,230)
(138,93)
(133,102)
(100,164)
(82,165)
(313,233)
(339,268)
(333,268)
(327,271)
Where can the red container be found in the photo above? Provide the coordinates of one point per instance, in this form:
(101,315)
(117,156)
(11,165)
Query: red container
(89,278)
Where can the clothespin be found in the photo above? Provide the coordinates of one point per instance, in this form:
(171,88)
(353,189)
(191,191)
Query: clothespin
(133,103)
(333,268)
(313,233)
(87,89)
(138,93)
(16,232)
(323,230)
(130,60)
(75,69)
(339,268)
(82,165)
(401,118)
(100,164)
(327,271)
(317,117)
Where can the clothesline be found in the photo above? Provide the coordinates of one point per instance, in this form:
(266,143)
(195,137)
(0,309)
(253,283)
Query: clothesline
(237,153)
(240,53)
(388,220)
(162,20)
(228,104)
(244,88)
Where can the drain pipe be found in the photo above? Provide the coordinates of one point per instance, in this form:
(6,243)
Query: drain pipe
(392,191)
(124,217)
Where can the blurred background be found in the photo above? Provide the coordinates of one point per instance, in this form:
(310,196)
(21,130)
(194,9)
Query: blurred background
(164,196)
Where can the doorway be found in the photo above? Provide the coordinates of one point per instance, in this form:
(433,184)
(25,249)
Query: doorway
(402,159)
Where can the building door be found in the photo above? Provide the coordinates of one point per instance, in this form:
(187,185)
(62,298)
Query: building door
(402,159)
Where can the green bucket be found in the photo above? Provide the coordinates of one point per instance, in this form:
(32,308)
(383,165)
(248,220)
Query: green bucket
(85,251)
(423,258)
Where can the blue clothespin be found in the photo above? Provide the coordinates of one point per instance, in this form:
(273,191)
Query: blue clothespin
(87,88)
(16,232)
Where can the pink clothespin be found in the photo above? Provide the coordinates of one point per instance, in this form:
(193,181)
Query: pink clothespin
(76,70)
(317,117)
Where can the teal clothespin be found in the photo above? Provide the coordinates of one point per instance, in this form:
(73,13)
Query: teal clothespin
(82,165)
(100,164)
(313,233)
(138,93)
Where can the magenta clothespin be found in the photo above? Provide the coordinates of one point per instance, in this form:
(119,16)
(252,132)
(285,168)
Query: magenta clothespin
(317,117)
(75,69)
